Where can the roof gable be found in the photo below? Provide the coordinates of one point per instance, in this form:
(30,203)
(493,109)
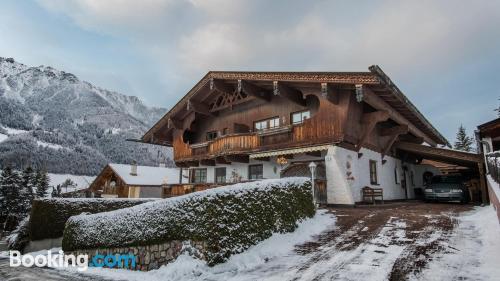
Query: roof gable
(375,77)
(146,175)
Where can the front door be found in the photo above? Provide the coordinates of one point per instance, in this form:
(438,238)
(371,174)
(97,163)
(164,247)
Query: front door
(302,170)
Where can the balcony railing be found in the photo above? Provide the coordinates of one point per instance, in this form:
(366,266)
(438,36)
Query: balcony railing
(287,136)
(233,143)
(493,162)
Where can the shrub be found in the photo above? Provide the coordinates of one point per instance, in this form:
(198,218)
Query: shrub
(228,219)
(48,216)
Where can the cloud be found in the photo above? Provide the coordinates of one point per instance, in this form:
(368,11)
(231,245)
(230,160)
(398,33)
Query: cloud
(415,42)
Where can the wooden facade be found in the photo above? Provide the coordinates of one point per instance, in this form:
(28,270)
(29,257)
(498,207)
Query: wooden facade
(217,121)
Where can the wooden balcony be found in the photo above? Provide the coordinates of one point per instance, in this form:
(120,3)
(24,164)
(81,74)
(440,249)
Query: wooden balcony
(233,144)
(308,133)
(229,144)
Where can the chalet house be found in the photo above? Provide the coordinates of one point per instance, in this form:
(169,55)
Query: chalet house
(132,181)
(357,127)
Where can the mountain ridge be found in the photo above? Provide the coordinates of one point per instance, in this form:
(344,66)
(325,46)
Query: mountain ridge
(59,118)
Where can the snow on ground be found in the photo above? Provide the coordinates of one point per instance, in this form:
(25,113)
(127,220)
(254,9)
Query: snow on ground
(268,260)
(82,182)
(49,145)
(473,250)
(3,137)
(11,131)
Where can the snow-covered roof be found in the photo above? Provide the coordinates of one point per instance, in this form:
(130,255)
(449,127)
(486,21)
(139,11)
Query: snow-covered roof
(146,175)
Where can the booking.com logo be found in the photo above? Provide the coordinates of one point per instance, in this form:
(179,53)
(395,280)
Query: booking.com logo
(81,262)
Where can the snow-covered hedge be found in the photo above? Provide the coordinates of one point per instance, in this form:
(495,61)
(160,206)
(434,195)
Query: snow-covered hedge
(19,238)
(48,216)
(228,219)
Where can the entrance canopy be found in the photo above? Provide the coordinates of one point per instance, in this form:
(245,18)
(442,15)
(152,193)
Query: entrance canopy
(455,157)
(444,155)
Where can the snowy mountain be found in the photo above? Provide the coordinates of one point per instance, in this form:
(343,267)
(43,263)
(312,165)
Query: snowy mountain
(51,119)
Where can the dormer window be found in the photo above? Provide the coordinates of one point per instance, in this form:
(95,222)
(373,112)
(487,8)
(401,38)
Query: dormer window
(270,123)
(299,117)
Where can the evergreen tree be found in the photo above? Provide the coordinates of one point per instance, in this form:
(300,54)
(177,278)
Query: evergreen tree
(28,182)
(463,141)
(42,184)
(11,201)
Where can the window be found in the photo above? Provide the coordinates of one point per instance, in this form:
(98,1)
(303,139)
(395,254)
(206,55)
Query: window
(224,131)
(373,172)
(299,117)
(270,123)
(255,172)
(260,125)
(199,175)
(274,123)
(211,135)
(220,175)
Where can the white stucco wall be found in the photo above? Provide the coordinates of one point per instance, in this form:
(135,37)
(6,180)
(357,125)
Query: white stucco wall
(347,175)
(271,170)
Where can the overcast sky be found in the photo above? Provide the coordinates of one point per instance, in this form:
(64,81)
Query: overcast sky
(444,55)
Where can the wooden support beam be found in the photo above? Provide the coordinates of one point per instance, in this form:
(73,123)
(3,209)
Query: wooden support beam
(294,95)
(222,160)
(253,90)
(220,86)
(238,158)
(199,107)
(393,134)
(207,162)
(482,183)
(375,101)
(174,123)
(368,121)
(400,130)
(329,93)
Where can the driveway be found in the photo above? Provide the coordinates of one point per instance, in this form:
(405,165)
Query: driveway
(394,242)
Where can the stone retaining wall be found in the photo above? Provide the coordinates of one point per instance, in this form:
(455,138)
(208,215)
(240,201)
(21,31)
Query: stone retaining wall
(149,257)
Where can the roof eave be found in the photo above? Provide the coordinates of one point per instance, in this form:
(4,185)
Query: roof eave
(384,79)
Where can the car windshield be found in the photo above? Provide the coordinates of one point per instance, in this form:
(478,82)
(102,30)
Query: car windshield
(446,179)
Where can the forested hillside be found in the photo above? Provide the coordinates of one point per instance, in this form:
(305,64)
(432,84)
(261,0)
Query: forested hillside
(52,120)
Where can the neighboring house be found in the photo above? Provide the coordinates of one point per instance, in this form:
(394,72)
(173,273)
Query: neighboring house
(132,181)
(488,135)
(357,127)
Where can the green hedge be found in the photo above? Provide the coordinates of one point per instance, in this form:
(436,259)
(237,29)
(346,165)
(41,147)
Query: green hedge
(229,219)
(48,216)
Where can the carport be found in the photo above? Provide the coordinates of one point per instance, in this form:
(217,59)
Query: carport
(474,162)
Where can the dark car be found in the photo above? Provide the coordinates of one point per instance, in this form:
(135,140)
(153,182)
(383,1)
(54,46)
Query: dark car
(446,188)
